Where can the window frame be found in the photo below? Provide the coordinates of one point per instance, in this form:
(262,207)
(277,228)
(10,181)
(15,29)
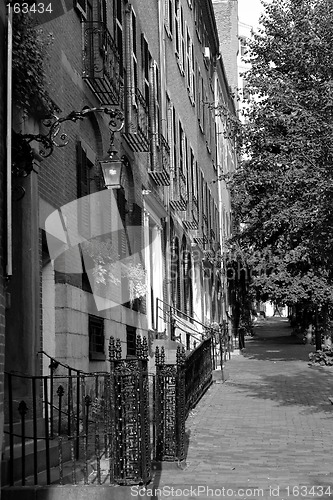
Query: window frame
(131,330)
(96,322)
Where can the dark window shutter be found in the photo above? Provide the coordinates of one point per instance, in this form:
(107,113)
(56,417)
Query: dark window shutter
(122,240)
(81,6)
(83,190)
(136,237)
(102,19)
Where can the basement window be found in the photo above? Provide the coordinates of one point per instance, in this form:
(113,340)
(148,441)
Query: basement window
(96,338)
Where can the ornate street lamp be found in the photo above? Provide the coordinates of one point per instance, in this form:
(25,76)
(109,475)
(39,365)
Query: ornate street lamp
(111,165)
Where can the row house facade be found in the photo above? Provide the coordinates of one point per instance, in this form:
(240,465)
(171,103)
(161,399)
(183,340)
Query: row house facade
(142,258)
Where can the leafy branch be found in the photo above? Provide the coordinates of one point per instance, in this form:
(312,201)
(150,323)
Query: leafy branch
(30,53)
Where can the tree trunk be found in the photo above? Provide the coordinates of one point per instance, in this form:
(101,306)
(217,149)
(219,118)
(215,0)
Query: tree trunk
(318,334)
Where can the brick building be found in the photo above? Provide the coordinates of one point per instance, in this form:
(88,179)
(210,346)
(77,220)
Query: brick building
(147,81)
(143,257)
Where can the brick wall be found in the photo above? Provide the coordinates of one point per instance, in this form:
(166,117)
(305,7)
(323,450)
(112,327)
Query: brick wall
(226,14)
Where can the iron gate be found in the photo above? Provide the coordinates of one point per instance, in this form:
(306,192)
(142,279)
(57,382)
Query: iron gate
(130,427)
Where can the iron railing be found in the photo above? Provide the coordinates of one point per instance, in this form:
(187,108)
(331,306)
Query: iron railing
(180,198)
(160,171)
(101,428)
(198,373)
(102,63)
(136,130)
(61,419)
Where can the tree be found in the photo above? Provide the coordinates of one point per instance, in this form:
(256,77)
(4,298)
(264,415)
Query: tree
(283,190)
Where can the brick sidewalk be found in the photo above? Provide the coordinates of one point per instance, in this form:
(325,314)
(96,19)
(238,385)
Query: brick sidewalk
(270,425)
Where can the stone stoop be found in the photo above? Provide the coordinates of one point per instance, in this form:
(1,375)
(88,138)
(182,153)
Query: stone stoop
(29,459)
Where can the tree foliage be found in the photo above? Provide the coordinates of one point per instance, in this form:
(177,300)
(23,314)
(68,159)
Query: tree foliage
(29,55)
(283,190)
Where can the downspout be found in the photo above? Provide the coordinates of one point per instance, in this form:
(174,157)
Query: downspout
(9,266)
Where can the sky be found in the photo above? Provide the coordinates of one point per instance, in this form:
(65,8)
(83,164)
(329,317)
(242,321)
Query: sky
(249,11)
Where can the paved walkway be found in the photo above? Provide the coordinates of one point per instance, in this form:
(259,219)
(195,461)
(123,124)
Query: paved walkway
(267,432)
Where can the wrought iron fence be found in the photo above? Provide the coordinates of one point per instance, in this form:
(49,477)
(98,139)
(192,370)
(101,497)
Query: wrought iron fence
(99,428)
(198,373)
(63,418)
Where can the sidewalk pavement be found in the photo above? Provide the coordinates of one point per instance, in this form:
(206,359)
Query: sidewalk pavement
(264,433)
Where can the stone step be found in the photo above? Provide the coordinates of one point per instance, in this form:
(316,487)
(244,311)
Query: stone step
(29,458)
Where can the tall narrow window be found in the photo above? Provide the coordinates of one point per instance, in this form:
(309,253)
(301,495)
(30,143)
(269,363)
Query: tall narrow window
(168,17)
(188,60)
(177,30)
(169,120)
(145,63)
(181,149)
(119,33)
(186,171)
(134,57)
(182,40)
(96,338)
(84,169)
(122,238)
(193,176)
(192,74)
(156,103)
(175,142)
(131,340)
(101,12)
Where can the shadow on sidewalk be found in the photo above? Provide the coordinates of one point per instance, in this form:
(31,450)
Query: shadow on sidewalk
(308,388)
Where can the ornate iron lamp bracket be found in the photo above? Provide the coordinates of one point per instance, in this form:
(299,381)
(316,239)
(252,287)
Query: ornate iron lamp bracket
(55,137)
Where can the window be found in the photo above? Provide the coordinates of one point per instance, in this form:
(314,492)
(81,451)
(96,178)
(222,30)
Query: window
(198,21)
(175,144)
(122,238)
(102,11)
(177,14)
(134,58)
(193,177)
(156,103)
(145,64)
(81,6)
(84,168)
(169,120)
(168,17)
(188,59)
(181,149)
(131,341)
(243,46)
(96,338)
(190,69)
(118,29)
(102,19)
(201,108)
(182,40)
(186,170)
(85,283)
